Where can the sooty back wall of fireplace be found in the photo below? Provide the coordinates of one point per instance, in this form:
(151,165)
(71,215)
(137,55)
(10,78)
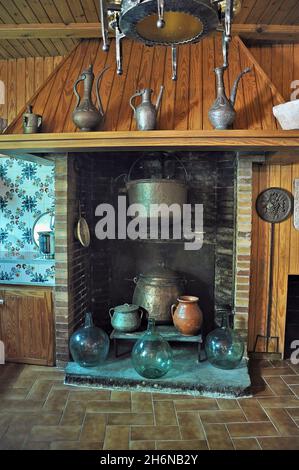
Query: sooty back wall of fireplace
(113,264)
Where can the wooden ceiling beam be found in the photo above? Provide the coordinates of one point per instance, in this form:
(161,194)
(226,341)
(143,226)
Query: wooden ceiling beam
(50,31)
(268,32)
(279,33)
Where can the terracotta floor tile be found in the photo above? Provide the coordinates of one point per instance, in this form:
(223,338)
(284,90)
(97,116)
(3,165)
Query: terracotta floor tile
(41,389)
(165,413)
(228,404)
(89,395)
(196,404)
(171,396)
(150,433)
(283,422)
(246,444)
(251,429)
(142,445)
(262,391)
(279,443)
(117,438)
(253,410)
(36,446)
(54,433)
(291,379)
(15,443)
(5,420)
(279,402)
(218,437)
(28,420)
(293,412)
(75,445)
(222,416)
(187,418)
(13,393)
(272,372)
(20,405)
(190,426)
(93,429)
(120,396)
(192,432)
(56,400)
(278,386)
(182,445)
(295,389)
(74,413)
(142,402)
(295,368)
(102,406)
(131,418)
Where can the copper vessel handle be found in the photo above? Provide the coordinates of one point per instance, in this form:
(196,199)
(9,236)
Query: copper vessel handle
(172,309)
(80,79)
(110,312)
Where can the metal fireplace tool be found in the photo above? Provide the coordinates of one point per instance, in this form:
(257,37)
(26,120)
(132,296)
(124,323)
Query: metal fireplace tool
(274,205)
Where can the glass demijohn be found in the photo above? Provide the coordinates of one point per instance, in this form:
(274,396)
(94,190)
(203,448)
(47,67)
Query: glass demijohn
(224,348)
(152,356)
(89,345)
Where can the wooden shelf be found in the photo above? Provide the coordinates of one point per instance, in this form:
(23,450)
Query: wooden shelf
(232,140)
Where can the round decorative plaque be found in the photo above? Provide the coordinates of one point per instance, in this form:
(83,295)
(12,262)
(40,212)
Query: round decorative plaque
(274,205)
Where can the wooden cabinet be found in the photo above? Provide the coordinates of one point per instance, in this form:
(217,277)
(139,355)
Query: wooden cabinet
(27,324)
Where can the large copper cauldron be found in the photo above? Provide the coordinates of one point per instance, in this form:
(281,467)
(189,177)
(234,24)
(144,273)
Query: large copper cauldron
(156,291)
(148,191)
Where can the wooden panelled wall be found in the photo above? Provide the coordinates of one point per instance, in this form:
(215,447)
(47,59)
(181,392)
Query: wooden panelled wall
(185,103)
(281,63)
(286,256)
(22,78)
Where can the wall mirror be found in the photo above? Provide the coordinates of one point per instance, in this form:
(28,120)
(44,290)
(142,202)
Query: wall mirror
(45,223)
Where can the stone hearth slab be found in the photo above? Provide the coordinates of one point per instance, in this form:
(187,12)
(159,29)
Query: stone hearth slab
(187,376)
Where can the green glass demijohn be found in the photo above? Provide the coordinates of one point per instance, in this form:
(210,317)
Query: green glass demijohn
(152,356)
(224,347)
(89,345)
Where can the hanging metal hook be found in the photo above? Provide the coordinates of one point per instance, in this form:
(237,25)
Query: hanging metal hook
(160,22)
(104,25)
(174,62)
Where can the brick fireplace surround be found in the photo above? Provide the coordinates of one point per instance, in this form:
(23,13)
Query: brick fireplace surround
(80,283)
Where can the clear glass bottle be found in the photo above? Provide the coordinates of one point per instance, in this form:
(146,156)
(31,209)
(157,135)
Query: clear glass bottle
(152,356)
(224,346)
(89,345)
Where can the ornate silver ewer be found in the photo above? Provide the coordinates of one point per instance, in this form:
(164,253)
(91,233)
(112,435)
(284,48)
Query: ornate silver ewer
(222,113)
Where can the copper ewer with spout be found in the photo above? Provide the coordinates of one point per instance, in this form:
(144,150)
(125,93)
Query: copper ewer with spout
(222,114)
(86,115)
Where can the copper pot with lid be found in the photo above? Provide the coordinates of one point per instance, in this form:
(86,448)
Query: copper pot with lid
(156,290)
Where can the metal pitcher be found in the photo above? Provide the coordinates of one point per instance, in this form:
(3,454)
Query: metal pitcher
(146,113)
(32,123)
(222,114)
(86,115)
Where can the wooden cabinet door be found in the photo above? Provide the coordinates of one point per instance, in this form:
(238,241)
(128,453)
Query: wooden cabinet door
(26,325)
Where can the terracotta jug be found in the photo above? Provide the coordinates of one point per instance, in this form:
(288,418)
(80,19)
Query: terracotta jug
(187,316)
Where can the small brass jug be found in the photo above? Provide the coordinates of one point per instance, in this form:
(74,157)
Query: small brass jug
(32,123)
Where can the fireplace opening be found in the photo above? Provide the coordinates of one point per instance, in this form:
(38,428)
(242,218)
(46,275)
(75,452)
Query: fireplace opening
(292,317)
(110,266)
(101,276)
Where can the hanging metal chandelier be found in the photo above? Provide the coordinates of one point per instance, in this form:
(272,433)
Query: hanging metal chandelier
(166,22)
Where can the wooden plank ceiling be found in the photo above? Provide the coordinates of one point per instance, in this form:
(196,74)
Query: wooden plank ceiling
(40,11)
(269,12)
(65,12)
(185,103)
